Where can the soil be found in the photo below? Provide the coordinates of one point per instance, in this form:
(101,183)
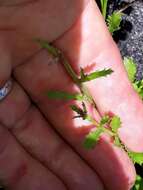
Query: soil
(130,37)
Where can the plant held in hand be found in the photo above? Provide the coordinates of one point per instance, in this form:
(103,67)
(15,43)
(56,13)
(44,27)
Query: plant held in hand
(107,124)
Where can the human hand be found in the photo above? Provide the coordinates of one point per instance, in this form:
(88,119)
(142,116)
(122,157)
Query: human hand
(80,35)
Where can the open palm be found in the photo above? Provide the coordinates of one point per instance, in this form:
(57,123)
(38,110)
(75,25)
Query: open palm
(41,145)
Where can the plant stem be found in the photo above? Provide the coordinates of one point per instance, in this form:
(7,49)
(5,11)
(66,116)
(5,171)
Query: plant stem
(104,4)
(69,69)
(82,87)
(87,95)
(94,122)
(108,132)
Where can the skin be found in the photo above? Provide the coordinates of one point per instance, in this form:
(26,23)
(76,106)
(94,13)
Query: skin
(41,145)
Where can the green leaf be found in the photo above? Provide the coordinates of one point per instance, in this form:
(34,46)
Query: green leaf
(130,68)
(137,158)
(64,95)
(104,4)
(51,49)
(114,21)
(92,138)
(82,112)
(115,124)
(138,184)
(104,120)
(95,75)
(138,86)
(75,108)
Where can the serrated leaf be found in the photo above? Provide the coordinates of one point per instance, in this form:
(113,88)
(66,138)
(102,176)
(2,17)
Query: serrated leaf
(64,95)
(138,184)
(75,108)
(104,120)
(82,112)
(131,68)
(92,138)
(95,75)
(114,21)
(137,158)
(138,86)
(115,124)
(45,45)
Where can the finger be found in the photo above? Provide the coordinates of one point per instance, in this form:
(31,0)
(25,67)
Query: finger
(59,158)
(33,132)
(110,162)
(19,171)
(16,110)
(113,94)
(23,21)
(40,84)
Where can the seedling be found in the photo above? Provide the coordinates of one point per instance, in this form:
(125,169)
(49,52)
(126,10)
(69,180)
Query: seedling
(107,124)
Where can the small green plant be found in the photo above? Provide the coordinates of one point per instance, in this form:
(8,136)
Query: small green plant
(131,69)
(107,124)
(114,21)
(84,96)
(139,183)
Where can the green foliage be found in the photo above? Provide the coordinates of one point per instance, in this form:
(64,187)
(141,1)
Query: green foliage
(104,4)
(114,21)
(92,138)
(130,68)
(138,184)
(138,86)
(92,76)
(137,158)
(81,112)
(115,124)
(105,120)
(64,95)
